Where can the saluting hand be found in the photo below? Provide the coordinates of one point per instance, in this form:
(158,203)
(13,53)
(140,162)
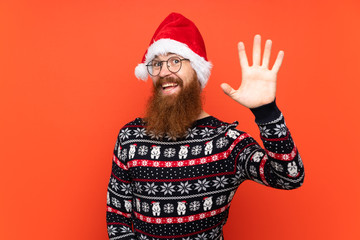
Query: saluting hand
(258,85)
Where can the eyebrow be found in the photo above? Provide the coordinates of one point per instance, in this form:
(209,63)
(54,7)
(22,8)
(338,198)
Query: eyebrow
(168,55)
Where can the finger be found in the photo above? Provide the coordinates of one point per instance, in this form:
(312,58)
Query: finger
(242,55)
(257,50)
(278,61)
(228,90)
(267,52)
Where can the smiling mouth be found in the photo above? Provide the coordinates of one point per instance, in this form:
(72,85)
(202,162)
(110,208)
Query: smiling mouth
(168,86)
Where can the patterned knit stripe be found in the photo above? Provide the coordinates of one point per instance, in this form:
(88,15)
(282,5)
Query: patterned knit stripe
(183,235)
(283,157)
(112,210)
(185,196)
(277,139)
(119,195)
(120,164)
(261,169)
(118,223)
(137,126)
(198,177)
(121,180)
(199,126)
(122,236)
(185,219)
(186,163)
(158,142)
(185,179)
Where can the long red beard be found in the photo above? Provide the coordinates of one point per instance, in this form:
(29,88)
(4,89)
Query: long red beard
(173,115)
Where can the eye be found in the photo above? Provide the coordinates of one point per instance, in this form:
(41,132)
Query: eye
(174,61)
(156,63)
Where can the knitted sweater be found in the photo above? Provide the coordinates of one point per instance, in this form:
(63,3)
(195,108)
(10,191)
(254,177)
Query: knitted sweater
(165,189)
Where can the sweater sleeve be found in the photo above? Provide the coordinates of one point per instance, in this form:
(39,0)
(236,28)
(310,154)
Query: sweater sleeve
(279,164)
(119,197)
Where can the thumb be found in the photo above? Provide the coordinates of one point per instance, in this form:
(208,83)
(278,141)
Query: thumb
(228,90)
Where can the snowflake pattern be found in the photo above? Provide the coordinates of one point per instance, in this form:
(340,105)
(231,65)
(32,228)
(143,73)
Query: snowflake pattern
(116,202)
(169,152)
(126,188)
(140,132)
(264,131)
(143,150)
(171,137)
(280,130)
(112,230)
(207,132)
(125,133)
(167,188)
(184,187)
(201,185)
(124,229)
(196,150)
(152,135)
(221,142)
(143,237)
(124,154)
(194,206)
(202,236)
(220,182)
(138,187)
(244,154)
(168,208)
(119,152)
(284,185)
(240,173)
(191,133)
(214,232)
(151,188)
(145,207)
(277,166)
(220,200)
(114,184)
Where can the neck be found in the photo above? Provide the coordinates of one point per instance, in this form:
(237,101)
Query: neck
(203,114)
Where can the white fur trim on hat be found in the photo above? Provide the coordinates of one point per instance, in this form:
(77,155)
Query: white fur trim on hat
(164,46)
(141,71)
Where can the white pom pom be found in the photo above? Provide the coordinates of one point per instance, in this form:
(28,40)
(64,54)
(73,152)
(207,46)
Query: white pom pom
(141,72)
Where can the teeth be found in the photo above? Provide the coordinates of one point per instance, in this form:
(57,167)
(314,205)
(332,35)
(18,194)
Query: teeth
(169,85)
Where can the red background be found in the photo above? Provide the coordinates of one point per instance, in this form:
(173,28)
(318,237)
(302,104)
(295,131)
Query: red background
(67,85)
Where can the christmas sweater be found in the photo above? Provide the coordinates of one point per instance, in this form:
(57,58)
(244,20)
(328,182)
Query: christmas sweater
(165,189)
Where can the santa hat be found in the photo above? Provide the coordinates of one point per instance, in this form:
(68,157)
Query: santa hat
(177,34)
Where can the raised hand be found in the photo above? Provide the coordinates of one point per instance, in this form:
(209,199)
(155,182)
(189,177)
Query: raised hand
(258,85)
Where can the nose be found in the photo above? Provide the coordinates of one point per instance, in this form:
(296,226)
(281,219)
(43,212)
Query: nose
(164,71)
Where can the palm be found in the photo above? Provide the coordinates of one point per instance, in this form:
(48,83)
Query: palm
(258,85)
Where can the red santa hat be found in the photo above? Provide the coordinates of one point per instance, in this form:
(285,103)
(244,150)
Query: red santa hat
(177,34)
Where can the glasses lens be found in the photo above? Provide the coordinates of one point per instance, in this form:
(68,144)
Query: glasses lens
(154,67)
(174,64)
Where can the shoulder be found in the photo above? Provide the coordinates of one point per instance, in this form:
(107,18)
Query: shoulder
(212,127)
(130,129)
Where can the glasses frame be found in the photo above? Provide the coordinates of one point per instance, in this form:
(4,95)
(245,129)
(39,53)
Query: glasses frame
(167,65)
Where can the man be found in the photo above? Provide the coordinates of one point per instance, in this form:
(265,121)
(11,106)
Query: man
(176,171)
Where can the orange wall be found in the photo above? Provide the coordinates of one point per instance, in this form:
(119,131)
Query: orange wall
(67,86)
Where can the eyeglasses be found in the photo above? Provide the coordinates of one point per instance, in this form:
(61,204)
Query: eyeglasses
(173,64)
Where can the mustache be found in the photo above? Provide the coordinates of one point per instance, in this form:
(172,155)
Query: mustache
(163,80)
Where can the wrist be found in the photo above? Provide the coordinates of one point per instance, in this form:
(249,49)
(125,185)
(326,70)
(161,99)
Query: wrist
(266,113)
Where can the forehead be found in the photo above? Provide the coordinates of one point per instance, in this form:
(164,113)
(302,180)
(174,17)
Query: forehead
(165,56)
